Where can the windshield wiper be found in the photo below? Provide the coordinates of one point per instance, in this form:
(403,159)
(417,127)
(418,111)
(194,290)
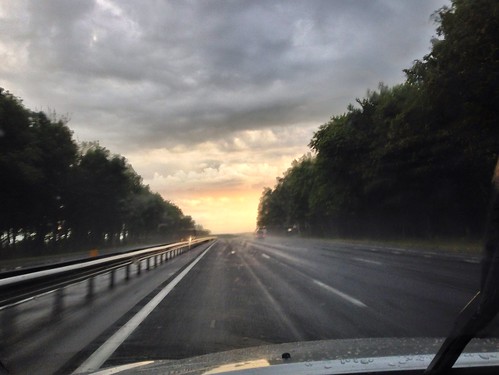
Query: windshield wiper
(483,307)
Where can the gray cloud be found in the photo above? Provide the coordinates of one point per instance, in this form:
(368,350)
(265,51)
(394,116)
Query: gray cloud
(152,74)
(209,100)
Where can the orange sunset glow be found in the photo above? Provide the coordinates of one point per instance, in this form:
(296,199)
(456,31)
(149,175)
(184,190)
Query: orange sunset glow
(219,183)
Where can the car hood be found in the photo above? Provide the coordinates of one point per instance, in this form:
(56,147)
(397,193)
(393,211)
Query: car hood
(319,357)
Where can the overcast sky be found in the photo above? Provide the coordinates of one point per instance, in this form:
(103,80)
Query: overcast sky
(210,101)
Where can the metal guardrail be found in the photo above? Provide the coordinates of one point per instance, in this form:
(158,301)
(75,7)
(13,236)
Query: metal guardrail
(23,285)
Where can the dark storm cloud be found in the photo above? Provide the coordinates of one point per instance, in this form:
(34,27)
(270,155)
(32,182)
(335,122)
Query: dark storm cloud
(150,74)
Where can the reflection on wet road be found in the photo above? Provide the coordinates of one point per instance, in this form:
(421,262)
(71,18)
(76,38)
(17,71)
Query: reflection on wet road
(244,292)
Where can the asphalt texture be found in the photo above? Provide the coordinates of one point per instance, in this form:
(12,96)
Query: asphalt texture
(245,292)
(49,334)
(250,292)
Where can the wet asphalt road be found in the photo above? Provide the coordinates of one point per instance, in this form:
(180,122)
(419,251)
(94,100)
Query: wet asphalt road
(48,334)
(249,292)
(246,292)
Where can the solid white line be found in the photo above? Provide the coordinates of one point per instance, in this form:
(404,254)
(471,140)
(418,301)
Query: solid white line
(115,370)
(368,261)
(265,256)
(283,316)
(27,299)
(472,261)
(101,355)
(346,297)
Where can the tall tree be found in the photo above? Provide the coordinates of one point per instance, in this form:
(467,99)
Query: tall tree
(414,159)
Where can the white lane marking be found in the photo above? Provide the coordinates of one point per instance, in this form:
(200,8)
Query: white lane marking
(212,323)
(274,304)
(115,370)
(279,253)
(28,299)
(105,351)
(368,261)
(265,256)
(345,296)
(348,298)
(472,261)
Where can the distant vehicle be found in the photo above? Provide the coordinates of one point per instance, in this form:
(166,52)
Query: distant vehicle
(260,233)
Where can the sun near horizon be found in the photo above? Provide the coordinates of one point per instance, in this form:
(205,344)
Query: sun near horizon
(223,213)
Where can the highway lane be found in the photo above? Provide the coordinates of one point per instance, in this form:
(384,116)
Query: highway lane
(244,292)
(248,292)
(45,335)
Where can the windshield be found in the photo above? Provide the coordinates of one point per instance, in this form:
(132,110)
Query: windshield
(188,178)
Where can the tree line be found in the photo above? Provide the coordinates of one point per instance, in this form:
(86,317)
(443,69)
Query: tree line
(58,194)
(412,160)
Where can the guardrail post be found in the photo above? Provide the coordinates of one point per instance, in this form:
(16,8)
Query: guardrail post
(127,272)
(139,267)
(147,264)
(58,306)
(90,290)
(155,261)
(111,278)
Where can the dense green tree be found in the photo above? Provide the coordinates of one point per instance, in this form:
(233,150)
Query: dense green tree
(35,162)
(287,205)
(100,185)
(414,159)
(56,157)
(459,78)
(149,215)
(56,194)
(17,158)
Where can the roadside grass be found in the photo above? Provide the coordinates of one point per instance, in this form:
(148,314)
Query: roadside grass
(11,261)
(30,261)
(457,246)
